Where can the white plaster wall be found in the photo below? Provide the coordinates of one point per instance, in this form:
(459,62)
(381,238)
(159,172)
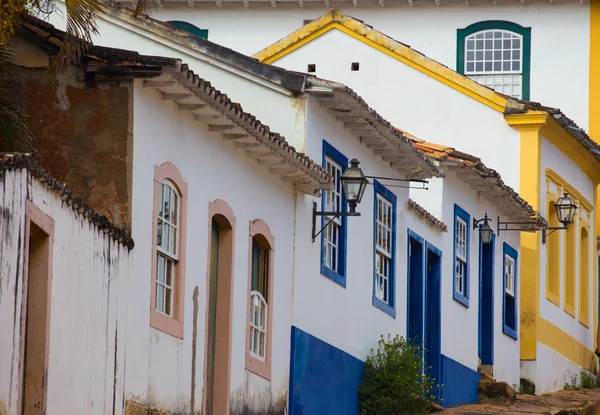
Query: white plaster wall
(275,107)
(458,321)
(160,366)
(353,323)
(568,170)
(414,102)
(12,237)
(90,273)
(552,370)
(427,28)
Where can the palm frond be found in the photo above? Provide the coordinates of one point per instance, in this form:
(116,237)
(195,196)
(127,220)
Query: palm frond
(13,100)
(145,7)
(81,27)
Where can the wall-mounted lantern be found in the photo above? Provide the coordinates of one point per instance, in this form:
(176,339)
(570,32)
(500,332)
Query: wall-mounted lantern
(354,183)
(485,231)
(565,212)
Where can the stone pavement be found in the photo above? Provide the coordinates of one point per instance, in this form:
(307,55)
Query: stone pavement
(567,402)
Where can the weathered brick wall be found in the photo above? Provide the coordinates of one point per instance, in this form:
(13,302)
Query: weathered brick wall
(82,134)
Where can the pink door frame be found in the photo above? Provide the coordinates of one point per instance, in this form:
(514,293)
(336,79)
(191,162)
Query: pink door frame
(223,215)
(35,216)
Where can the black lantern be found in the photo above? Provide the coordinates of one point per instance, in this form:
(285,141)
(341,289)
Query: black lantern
(565,212)
(354,184)
(565,209)
(485,231)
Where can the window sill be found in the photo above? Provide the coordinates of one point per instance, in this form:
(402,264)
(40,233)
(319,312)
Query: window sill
(461,298)
(570,310)
(333,276)
(386,308)
(553,298)
(254,365)
(166,324)
(510,332)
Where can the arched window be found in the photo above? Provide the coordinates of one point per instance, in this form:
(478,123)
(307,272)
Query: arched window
(584,276)
(168,259)
(188,27)
(553,255)
(260,312)
(496,54)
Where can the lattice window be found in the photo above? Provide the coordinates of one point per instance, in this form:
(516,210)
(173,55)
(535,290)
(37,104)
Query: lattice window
(166,247)
(494,58)
(383,248)
(509,272)
(333,203)
(460,243)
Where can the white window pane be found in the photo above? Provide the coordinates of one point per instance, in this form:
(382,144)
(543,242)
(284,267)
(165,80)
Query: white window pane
(160,298)
(160,268)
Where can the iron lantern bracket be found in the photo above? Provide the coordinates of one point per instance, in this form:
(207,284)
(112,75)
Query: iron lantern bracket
(476,222)
(334,214)
(553,229)
(517,226)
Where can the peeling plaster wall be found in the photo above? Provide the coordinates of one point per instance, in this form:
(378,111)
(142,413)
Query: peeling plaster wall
(160,366)
(89,275)
(82,134)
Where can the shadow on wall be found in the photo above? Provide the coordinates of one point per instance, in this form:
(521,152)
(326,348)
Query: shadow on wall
(323,378)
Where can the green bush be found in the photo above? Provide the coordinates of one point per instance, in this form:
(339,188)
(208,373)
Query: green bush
(393,381)
(588,381)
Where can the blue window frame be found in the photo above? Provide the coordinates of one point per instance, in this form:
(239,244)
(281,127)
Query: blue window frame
(509,303)
(461,255)
(384,249)
(333,237)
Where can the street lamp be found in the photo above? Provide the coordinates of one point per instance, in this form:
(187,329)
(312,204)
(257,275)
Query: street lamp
(354,184)
(565,212)
(485,231)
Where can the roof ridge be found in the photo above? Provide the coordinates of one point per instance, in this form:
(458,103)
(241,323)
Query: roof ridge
(16,161)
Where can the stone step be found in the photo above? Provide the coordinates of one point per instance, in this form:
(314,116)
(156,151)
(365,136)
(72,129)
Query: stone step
(492,390)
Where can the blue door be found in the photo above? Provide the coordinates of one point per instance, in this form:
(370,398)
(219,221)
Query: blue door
(486,302)
(433,334)
(415,288)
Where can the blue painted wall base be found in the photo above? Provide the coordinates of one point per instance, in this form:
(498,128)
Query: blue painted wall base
(324,380)
(460,383)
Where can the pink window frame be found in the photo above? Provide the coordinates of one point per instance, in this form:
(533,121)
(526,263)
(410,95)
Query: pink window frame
(170,325)
(254,365)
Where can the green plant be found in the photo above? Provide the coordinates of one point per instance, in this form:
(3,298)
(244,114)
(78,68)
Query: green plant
(588,381)
(393,380)
(573,385)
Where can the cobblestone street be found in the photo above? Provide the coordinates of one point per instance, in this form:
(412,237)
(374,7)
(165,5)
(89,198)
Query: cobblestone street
(567,402)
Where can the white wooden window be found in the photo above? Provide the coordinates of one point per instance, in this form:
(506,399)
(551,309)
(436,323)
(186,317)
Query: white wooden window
(258,325)
(460,246)
(383,249)
(494,58)
(166,247)
(509,271)
(333,203)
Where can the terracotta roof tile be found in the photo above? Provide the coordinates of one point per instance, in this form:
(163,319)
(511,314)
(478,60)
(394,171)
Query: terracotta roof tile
(433,221)
(18,161)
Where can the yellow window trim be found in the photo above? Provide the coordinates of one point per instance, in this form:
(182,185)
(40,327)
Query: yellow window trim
(570,189)
(553,297)
(334,19)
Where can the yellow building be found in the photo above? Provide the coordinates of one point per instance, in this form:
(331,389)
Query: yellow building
(538,150)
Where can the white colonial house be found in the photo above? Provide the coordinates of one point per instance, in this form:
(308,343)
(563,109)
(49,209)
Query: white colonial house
(229,302)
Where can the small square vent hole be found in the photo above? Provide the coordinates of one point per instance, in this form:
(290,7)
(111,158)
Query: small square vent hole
(312,67)
(354,66)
